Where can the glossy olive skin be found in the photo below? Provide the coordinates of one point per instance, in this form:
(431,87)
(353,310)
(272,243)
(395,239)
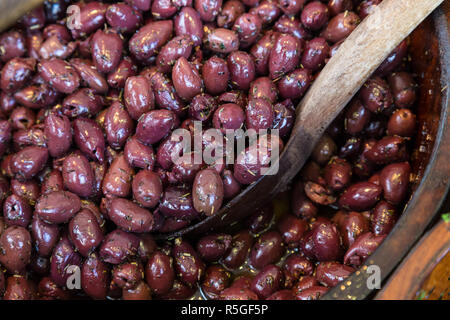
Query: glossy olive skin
(394,179)
(122,17)
(301,205)
(129,216)
(394,59)
(248,28)
(95,277)
(350,226)
(159,273)
(314,15)
(340,26)
(187,263)
(387,150)
(125,69)
(304,282)
(177,203)
(140,292)
(165,95)
(78,175)
(291,7)
(215,75)
(138,96)
(16,211)
(242,69)
(44,235)
(180,46)
(383,218)
(228,116)
(403,89)
(356,117)
(311,293)
(230,11)
(337,6)
(117,181)
(83,102)
(214,246)
(118,246)
(57,207)
(294,267)
(127,275)
(215,281)
(49,289)
(363,247)
(15,242)
(294,84)
(147,188)
(236,293)
(14,45)
(284,56)
(89,138)
(15,74)
(188,22)
(186,79)
(59,74)
(85,232)
(331,273)
(222,40)
(19,288)
(325,240)
(29,161)
(375,95)
(259,114)
(402,123)
(269,280)
(260,52)
(267,249)
(268,11)
(337,173)
(150,38)
(118,125)
(291,229)
(207,192)
(239,250)
(360,196)
(64,255)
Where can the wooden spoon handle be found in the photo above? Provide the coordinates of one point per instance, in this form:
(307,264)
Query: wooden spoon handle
(12,10)
(357,58)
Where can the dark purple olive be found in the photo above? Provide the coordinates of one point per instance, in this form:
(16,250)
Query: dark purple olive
(284,56)
(89,138)
(340,26)
(294,267)
(269,280)
(57,207)
(331,273)
(315,15)
(337,173)
(123,18)
(387,150)
(267,249)
(59,74)
(360,196)
(118,246)
(85,232)
(15,253)
(138,96)
(118,125)
(78,175)
(216,280)
(188,22)
(16,211)
(29,161)
(188,264)
(402,123)
(159,273)
(63,261)
(394,179)
(214,246)
(383,218)
(95,277)
(127,275)
(351,225)
(45,236)
(363,247)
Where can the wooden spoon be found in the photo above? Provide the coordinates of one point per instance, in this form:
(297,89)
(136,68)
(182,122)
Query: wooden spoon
(357,58)
(12,10)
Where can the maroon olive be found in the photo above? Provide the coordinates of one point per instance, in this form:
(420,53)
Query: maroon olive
(260,52)
(337,173)
(319,194)
(13,45)
(394,179)
(356,117)
(89,138)
(123,17)
(16,73)
(188,264)
(228,116)
(215,75)
(315,15)
(388,149)
(127,275)
(284,56)
(169,150)
(233,96)
(91,17)
(230,186)
(17,211)
(340,26)
(138,154)
(291,7)
(337,6)
(267,10)
(230,11)
(159,273)
(363,247)
(294,267)
(95,277)
(301,206)
(311,293)
(177,203)
(19,288)
(118,246)
(267,249)
(45,236)
(294,84)
(83,102)
(165,95)
(248,28)
(259,114)
(394,59)
(376,95)
(293,26)
(149,39)
(331,273)
(129,216)
(138,96)
(239,250)
(117,181)
(179,291)
(27,189)
(180,46)
(15,253)
(242,69)
(215,281)
(59,74)
(214,246)
(366,7)
(326,241)
(143,5)
(29,161)
(118,125)
(383,218)
(49,289)
(291,229)
(90,75)
(147,188)
(63,258)
(78,175)
(22,118)
(155,125)
(360,196)
(315,53)
(222,40)
(269,280)
(208,9)
(202,107)
(124,70)
(186,79)
(260,220)
(351,225)
(281,295)
(402,123)
(264,88)
(188,22)
(5,135)
(58,206)
(85,232)
(140,292)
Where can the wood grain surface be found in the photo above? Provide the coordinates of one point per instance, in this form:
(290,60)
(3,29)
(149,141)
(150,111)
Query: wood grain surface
(12,10)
